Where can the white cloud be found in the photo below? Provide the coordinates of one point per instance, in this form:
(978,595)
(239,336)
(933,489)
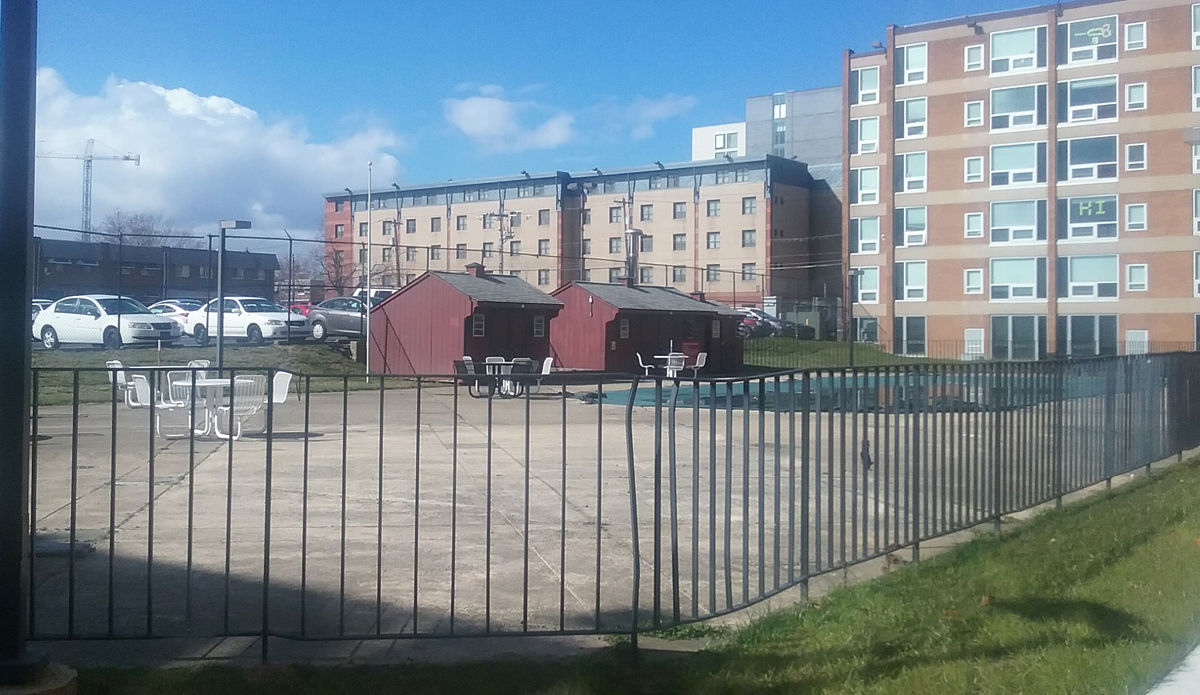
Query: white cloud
(500,125)
(203,158)
(644,113)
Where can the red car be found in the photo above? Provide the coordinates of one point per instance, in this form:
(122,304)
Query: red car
(301,308)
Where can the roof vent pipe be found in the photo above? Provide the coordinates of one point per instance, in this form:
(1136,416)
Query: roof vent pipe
(633,247)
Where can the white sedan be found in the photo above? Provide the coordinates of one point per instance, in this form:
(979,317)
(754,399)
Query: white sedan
(254,319)
(101,319)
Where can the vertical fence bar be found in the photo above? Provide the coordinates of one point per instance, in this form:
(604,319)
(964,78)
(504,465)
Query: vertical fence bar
(631,471)
(342,524)
(656,580)
(416,506)
(914,462)
(31,584)
(191,503)
(562,516)
(791,540)
(817,516)
(525,521)
(778,483)
(599,491)
(830,444)
(841,485)
(228,503)
(379,510)
(454,502)
(73,508)
(805,423)
(997,446)
(672,482)
(487,523)
(304,511)
(762,474)
(712,498)
(695,496)
(850,409)
(728,564)
(745,491)
(265,636)
(153,415)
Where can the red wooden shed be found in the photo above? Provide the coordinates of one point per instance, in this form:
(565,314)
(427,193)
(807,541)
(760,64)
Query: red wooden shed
(604,326)
(439,317)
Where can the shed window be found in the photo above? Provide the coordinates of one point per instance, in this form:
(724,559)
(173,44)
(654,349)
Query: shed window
(623,327)
(716,328)
(477,326)
(539,326)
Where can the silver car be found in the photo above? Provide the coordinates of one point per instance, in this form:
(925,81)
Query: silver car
(340,316)
(101,319)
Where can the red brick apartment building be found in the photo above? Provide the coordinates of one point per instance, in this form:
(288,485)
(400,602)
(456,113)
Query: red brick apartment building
(1024,183)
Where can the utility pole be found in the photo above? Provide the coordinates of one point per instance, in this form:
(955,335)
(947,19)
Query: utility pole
(367,334)
(506,235)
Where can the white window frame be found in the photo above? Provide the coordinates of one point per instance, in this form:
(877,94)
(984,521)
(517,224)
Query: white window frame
(478,325)
(1130,284)
(1031,288)
(1090,231)
(1090,113)
(970,65)
(909,75)
(914,183)
(1130,43)
(1091,290)
(914,129)
(1131,103)
(1195,83)
(1088,55)
(1009,68)
(857,246)
(1195,26)
(1077,173)
(1137,341)
(872,196)
(968,286)
(862,95)
(1031,171)
(864,295)
(968,175)
(539,326)
(1196,273)
(1018,236)
(970,231)
(1131,162)
(1196,211)
(969,122)
(1196,159)
(914,237)
(863,146)
(974,342)
(1130,224)
(913,292)
(1014,116)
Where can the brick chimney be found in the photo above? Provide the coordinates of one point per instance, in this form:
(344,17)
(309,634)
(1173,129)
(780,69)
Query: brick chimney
(476,270)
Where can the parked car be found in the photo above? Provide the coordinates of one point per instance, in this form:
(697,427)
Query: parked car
(768,324)
(340,316)
(254,319)
(378,294)
(101,319)
(176,309)
(38,305)
(301,308)
(756,327)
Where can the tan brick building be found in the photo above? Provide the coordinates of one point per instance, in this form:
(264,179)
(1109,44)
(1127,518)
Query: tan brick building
(1022,183)
(736,229)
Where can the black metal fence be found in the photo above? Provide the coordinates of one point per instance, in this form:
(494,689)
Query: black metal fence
(406,507)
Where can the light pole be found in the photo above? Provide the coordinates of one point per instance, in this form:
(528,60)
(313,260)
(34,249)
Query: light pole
(223,224)
(291,268)
(367,333)
(350,232)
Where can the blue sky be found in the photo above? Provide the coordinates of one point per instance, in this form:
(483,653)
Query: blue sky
(264,104)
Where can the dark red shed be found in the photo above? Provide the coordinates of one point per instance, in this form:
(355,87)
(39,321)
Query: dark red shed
(439,317)
(604,326)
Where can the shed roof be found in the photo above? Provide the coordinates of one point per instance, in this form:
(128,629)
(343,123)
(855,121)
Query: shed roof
(496,289)
(647,298)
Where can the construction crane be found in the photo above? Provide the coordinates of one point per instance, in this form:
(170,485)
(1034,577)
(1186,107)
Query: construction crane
(88,158)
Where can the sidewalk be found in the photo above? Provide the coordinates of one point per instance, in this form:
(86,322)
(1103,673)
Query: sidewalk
(1183,680)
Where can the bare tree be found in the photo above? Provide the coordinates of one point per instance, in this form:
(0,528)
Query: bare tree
(147,229)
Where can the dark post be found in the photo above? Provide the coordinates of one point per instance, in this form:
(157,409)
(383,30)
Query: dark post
(18,62)
(220,299)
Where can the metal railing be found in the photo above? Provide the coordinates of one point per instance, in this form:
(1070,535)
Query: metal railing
(584,504)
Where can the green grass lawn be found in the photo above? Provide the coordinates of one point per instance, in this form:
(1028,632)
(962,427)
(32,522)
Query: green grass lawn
(55,388)
(1100,597)
(790,353)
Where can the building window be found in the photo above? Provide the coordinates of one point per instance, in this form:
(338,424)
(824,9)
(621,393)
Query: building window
(539,321)
(1018,337)
(864,235)
(1089,218)
(543,247)
(713,208)
(435,224)
(678,211)
(912,170)
(339,231)
(1087,41)
(712,240)
(864,86)
(543,217)
(1087,159)
(749,272)
(1135,36)
(909,334)
(973,57)
(911,63)
(864,285)
(865,329)
(587,247)
(1087,335)
(362,229)
(1019,50)
(623,329)
(387,254)
(864,136)
(460,250)
(614,274)
(646,275)
(915,113)
(1018,165)
(435,252)
(749,238)
(973,169)
(778,107)
(514,219)
(362,260)
(678,273)
(183,271)
(972,114)
(712,272)
(477,326)
(614,244)
(487,219)
(1195,87)
(514,248)
(1017,278)
(460,222)
(1195,26)
(1018,107)
(647,213)
(339,259)
(1137,277)
(1088,277)
(1196,273)
(1135,217)
(1135,97)
(1135,157)
(339,205)
(587,216)
(911,223)
(973,281)
(864,185)
(909,278)
(749,205)
(489,249)
(1018,222)
(615,214)
(647,243)
(1087,100)
(410,253)
(973,225)
(678,242)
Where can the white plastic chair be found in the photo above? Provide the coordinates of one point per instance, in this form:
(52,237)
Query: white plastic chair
(674,364)
(701,360)
(643,365)
(116,372)
(248,397)
(279,387)
(141,396)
